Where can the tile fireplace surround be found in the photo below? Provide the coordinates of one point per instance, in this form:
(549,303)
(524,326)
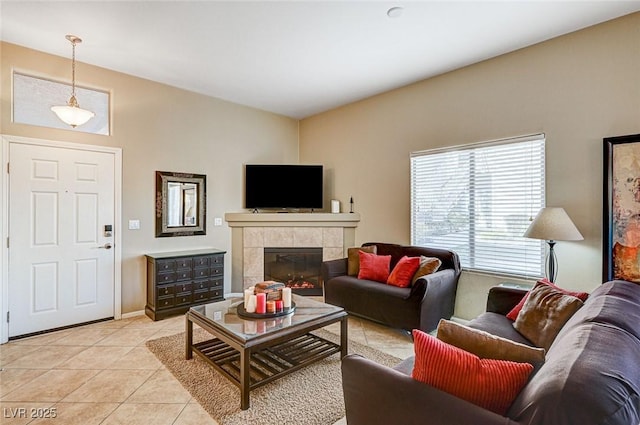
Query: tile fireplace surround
(251,233)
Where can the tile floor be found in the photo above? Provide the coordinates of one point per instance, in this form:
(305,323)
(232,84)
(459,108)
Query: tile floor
(103,374)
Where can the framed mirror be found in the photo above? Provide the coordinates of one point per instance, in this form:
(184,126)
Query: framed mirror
(180,204)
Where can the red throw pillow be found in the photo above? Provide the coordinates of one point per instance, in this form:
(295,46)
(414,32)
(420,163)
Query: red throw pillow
(513,314)
(374,267)
(403,272)
(491,384)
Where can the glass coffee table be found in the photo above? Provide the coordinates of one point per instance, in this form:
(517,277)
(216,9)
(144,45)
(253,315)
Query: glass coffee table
(253,352)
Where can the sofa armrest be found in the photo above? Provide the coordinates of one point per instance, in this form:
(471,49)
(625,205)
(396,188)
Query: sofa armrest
(378,395)
(438,291)
(333,268)
(502,299)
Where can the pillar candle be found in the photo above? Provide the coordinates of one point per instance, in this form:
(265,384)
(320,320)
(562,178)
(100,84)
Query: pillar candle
(271,306)
(286,297)
(279,305)
(250,306)
(261,303)
(247,294)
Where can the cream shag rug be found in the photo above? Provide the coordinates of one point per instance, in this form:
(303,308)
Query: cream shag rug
(309,396)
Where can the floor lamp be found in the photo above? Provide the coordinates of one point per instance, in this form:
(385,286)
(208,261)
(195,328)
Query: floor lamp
(553,224)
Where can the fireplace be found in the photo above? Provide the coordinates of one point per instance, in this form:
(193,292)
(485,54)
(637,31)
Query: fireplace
(297,268)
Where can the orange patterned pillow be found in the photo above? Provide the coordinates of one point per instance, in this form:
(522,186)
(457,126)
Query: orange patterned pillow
(428,265)
(403,272)
(374,267)
(491,384)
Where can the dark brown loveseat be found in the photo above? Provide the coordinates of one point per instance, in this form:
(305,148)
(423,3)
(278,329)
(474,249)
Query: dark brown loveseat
(591,375)
(420,306)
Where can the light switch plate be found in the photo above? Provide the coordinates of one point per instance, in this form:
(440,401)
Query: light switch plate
(134,224)
(217,221)
(217,315)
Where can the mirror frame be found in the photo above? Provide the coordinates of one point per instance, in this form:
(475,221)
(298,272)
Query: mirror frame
(162,183)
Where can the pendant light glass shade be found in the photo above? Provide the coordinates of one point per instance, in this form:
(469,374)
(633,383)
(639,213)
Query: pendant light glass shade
(71,113)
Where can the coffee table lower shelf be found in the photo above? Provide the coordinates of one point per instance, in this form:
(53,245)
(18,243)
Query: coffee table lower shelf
(267,364)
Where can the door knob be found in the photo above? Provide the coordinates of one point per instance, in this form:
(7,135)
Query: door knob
(106,246)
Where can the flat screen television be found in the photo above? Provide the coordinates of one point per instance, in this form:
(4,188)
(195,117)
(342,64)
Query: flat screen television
(283,186)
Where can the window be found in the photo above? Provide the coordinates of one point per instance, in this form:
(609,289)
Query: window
(33,98)
(478,200)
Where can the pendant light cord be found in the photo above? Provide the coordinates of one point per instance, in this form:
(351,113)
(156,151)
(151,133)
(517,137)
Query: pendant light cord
(73,68)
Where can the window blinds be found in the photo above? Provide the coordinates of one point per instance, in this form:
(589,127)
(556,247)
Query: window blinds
(478,200)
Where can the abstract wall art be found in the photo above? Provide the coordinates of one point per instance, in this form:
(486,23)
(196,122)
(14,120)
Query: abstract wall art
(621,209)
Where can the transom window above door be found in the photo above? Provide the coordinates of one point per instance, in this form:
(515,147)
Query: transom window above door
(33,98)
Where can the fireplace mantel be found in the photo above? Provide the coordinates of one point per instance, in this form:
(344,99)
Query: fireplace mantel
(292,219)
(252,232)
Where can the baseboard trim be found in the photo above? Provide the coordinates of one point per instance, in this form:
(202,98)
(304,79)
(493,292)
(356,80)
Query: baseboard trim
(132,314)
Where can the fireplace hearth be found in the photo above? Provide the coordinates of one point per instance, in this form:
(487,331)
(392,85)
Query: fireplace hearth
(297,268)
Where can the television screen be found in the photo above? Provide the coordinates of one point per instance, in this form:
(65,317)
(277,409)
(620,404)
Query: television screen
(283,186)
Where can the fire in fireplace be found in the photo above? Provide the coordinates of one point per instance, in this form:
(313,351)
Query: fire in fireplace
(297,268)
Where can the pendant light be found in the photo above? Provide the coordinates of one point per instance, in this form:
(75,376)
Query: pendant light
(71,113)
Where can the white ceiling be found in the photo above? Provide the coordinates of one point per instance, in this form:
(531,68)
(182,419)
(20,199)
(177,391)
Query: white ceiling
(295,58)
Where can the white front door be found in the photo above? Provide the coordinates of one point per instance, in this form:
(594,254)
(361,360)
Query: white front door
(61,261)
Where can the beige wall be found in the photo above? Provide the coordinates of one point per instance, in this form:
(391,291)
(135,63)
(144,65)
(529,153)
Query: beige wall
(577,89)
(161,128)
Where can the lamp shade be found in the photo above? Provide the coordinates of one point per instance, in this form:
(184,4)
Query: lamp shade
(553,224)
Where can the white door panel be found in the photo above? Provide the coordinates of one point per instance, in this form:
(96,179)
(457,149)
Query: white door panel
(60,199)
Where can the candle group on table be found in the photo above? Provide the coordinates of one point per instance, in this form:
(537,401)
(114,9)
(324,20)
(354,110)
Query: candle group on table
(263,302)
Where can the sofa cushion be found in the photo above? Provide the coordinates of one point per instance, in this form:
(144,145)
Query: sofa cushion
(403,272)
(498,324)
(488,346)
(374,267)
(492,384)
(428,265)
(353,258)
(513,314)
(544,313)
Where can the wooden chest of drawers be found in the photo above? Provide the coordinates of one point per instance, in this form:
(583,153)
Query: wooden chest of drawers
(179,280)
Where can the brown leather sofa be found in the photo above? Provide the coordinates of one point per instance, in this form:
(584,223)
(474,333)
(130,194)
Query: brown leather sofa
(420,306)
(591,374)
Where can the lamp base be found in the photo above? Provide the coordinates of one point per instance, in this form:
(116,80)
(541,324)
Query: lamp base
(552,270)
